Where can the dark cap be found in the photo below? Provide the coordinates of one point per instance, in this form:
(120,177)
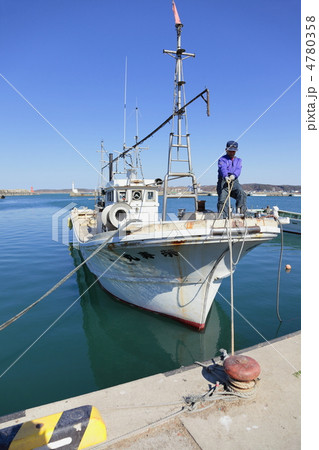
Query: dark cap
(232,146)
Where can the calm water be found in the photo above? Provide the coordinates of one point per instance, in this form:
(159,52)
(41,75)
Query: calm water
(100,342)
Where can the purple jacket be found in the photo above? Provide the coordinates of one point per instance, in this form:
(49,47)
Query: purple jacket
(227,166)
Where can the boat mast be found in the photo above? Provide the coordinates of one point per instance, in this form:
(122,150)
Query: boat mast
(179,143)
(103,152)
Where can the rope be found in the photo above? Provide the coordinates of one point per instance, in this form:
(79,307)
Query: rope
(230,184)
(230,187)
(230,244)
(191,404)
(139,430)
(57,319)
(242,245)
(214,394)
(279,269)
(57,285)
(242,386)
(231,262)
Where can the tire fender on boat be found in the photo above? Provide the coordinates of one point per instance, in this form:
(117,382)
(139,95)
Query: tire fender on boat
(115,215)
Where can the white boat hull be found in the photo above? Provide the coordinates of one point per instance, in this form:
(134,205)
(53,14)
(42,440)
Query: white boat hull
(175,277)
(293,227)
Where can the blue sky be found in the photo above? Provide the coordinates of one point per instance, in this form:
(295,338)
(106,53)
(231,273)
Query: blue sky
(67,58)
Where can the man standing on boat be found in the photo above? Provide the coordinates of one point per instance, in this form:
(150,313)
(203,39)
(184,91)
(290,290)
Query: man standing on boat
(229,169)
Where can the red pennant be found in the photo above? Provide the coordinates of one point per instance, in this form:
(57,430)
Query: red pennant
(176,16)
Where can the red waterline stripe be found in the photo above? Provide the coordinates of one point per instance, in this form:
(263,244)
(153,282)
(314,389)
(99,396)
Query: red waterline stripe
(198,326)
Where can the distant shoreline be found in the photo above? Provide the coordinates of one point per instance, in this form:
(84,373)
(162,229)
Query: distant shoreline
(19,192)
(253,189)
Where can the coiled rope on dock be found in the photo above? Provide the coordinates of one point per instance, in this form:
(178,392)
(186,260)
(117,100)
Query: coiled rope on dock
(190,404)
(57,285)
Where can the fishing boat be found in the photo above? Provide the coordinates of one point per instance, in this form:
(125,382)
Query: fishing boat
(292,225)
(169,264)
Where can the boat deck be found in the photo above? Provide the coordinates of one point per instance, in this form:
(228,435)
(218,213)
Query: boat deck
(85,225)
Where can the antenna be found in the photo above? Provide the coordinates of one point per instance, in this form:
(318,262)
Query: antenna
(125,89)
(138,162)
(136,122)
(136,137)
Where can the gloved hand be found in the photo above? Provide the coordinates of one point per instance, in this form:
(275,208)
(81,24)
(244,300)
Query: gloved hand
(232,177)
(227,179)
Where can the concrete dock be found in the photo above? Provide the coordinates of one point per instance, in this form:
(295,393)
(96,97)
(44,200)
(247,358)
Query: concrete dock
(150,413)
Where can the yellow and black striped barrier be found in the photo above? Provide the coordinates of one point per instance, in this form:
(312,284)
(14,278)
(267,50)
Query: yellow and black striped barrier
(73,429)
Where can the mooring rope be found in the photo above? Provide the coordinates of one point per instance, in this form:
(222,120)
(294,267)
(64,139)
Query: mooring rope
(230,187)
(243,243)
(190,405)
(230,244)
(58,318)
(279,269)
(57,285)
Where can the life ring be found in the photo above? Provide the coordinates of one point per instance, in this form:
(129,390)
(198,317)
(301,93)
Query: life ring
(105,213)
(115,215)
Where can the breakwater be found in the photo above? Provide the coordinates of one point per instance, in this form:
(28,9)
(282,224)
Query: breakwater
(10,192)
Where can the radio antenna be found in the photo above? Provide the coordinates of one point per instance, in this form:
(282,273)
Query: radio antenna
(125,88)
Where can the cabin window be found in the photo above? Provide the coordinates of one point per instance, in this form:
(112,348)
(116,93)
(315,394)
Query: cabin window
(150,195)
(122,197)
(136,195)
(109,196)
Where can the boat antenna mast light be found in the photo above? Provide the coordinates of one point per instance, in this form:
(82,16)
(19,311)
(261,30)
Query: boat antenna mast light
(178,141)
(179,154)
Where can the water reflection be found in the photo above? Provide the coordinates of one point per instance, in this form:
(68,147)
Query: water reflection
(126,343)
(291,240)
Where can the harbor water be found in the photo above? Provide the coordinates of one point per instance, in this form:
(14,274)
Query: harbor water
(80,339)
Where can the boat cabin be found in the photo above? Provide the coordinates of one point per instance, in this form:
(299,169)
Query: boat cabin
(122,201)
